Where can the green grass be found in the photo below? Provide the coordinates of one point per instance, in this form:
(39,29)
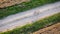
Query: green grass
(29,28)
(23,7)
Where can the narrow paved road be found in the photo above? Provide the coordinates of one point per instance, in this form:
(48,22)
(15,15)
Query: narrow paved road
(29,16)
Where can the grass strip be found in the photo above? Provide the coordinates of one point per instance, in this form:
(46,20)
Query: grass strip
(23,7)
(29,28)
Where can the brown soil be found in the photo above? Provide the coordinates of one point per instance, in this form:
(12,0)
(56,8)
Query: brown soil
(54,29)
(6,3)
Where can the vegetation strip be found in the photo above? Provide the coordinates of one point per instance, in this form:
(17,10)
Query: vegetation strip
(29,28)
(23,7)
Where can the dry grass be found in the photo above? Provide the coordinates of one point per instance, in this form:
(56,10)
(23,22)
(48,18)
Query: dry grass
(6,3)
(54,29)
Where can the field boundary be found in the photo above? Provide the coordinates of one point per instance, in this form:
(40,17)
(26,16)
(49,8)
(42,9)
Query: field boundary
(4,12)
(29,28)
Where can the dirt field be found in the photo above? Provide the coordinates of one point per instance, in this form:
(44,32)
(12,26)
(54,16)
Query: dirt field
(54,29)
(5,3)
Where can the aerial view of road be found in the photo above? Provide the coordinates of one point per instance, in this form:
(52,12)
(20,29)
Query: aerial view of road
(29,16)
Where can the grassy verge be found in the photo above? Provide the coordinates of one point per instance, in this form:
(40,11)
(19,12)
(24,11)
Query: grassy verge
(23,7)
(29,28)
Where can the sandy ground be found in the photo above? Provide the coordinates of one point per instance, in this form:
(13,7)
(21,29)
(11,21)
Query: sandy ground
(29,16)
(54,29)
(6,3)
